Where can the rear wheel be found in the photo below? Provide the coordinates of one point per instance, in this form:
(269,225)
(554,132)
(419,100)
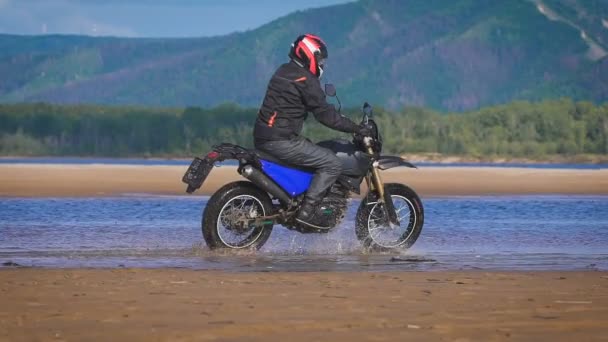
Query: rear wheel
(229,214)
(372,226)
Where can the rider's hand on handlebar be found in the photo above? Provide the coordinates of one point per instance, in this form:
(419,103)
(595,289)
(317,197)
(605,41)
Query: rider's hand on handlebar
(364,130)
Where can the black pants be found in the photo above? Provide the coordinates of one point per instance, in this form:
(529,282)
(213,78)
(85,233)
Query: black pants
(301,152)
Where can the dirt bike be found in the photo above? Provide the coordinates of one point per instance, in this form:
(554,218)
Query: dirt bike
(242,214)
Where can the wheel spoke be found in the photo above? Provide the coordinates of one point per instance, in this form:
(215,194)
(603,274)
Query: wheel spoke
(399,210)
(391,237)
(233,223)
(373,236)
(404,216)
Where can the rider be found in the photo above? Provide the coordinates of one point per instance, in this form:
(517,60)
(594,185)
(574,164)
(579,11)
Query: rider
(293,91)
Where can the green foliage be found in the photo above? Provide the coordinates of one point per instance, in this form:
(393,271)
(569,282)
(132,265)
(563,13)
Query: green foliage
(21,145)
(518,129)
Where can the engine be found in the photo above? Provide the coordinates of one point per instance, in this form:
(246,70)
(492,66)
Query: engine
(334,205)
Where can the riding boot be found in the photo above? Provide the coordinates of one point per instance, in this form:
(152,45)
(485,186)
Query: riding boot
(309,215)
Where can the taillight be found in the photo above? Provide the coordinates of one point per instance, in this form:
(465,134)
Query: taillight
(212,155)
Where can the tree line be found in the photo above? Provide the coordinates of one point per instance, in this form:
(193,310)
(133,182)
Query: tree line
(516,129)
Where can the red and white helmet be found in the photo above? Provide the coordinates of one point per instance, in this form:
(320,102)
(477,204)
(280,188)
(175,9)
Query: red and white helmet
(310,52)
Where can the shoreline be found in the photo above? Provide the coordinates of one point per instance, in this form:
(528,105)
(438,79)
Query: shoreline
(589,159)
(174,304)
(554,159)
(77,180)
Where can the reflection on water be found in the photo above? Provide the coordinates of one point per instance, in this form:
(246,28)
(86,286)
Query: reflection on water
(516,232)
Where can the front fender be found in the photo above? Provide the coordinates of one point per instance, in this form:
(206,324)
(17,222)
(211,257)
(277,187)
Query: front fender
(389,162)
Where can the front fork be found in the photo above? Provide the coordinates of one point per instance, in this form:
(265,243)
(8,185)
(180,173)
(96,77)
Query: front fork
(376,184)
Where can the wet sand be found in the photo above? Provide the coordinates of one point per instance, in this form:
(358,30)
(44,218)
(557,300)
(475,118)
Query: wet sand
(173,304)
(103,180)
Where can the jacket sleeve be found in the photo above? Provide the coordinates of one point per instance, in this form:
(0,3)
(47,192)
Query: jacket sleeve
(325,113)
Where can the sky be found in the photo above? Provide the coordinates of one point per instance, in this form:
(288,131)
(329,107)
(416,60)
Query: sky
(145,18)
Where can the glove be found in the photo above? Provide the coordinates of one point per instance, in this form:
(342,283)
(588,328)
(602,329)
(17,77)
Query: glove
(364,130)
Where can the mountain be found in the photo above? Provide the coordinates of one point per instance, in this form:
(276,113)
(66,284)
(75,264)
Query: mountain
(452,55)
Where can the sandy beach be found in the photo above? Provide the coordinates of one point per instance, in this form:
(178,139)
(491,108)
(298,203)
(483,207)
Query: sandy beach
(190,305)
(184,305)
(30,180)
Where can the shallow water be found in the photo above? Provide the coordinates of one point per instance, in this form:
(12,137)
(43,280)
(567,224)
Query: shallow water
(513,232)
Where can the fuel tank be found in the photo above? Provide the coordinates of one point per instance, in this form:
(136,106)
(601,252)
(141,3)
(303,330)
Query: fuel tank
(354,162)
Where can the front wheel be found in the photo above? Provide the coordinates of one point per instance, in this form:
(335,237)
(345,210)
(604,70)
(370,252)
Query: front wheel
(229,214)
(372,226)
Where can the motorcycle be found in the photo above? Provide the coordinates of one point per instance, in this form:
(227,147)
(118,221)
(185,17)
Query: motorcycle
(242,214)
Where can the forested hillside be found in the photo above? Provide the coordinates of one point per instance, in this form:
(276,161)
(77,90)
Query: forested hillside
(517,129)
(454,55)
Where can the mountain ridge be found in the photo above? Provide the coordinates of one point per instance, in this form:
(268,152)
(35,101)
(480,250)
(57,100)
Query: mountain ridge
(454,56)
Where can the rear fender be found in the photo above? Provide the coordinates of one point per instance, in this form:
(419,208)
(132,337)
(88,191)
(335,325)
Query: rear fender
(200,168)
(198,171)
(230,151)
(389,162)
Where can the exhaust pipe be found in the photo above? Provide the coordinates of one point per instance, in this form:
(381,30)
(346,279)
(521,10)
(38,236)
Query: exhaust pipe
(265,183)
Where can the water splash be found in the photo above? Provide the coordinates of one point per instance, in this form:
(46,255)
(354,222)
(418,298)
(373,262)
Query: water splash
(515,232)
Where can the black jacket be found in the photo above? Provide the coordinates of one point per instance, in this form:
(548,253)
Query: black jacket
(292,92)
